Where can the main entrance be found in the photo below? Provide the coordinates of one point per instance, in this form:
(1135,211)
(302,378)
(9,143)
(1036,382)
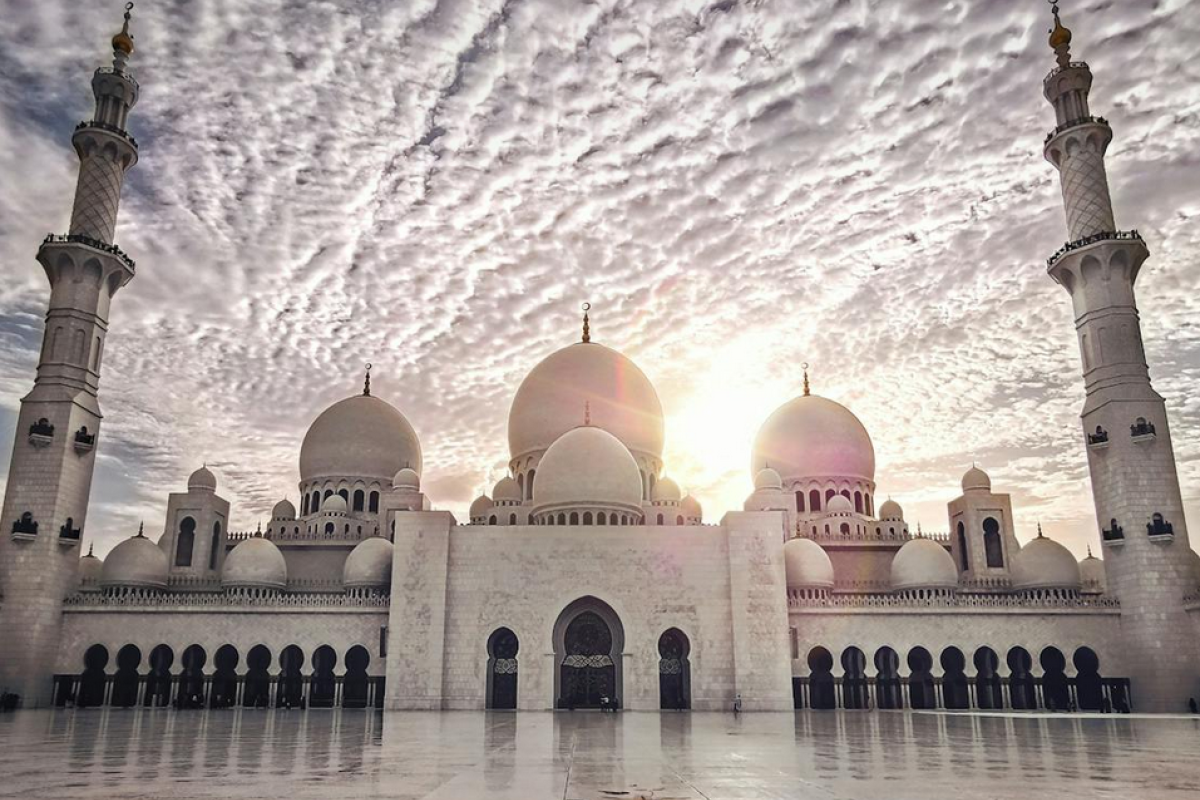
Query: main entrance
(587,642)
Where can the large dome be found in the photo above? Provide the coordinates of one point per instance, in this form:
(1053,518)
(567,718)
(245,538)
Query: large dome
(811,437)
(255,563)
(136,562)
(359,437)
(551,400)
(587,467)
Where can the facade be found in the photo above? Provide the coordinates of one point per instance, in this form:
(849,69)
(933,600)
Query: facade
(587,579)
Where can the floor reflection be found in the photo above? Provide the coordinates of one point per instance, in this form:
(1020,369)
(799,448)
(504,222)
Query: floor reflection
(144,753)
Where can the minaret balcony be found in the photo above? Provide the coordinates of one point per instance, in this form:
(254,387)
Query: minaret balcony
(84,441)
(25,528)
(41,433)
(1113,536)
(1095,238)
(95,244)
(69,536)
(1098,440)
(1142,431)
(1075,123)
(104,126)
(1159,530)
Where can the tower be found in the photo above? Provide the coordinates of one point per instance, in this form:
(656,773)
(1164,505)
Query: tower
(1132,465)
(50,476)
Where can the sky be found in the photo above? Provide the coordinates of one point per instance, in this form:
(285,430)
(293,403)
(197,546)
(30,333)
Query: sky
(736,187)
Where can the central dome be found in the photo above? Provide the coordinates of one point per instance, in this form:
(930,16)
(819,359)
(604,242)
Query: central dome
(588,467)
(551,401)
(359,437)
(811,437)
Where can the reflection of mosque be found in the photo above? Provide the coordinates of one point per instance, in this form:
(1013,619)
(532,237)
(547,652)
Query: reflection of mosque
(587,578)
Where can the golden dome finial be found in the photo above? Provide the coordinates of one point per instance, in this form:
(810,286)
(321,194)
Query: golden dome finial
(805,367)
(1060,37)
(587,333)
(123,41)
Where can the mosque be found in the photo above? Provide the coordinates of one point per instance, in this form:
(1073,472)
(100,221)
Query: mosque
(587,578)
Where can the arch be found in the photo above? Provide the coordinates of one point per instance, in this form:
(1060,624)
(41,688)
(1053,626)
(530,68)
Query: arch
(345,495)
(214,549)
(829,495)
(562,519)
(257,693)
(844,529)
(601,518)
(814,500)
(988,690)
(963,561)
(158,682)
(679,519)
(126,681)
(291,682)
(502,647)
(326,496)
(1089,686)
(185,542)
(870,504)
(661,519)
(921,693)
(493,519)
(355,685)
(521,484)
(858,502)
(588,641)
(316,503)
(223,688)
(512,519)
(529,485)
(328,530)
(992,547)
(93,682)
(800,501)
(887,681)
(1056,692)
(674,671)
(324,684)
(191,680)
(359,500)
(821,689)
(574,517)
(373,502)
(304,505)
(854,680)
(955,689)
(1020,681)
(587,518)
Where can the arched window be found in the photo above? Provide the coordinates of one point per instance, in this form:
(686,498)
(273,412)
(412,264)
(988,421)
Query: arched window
(359,499)
(185,542)
(304,505)
(870,506)
(962,548)
(512,519)
(521,484)
(215,548)
(858,502)
(800,501)
(587,518)
(562,519)
(328,530)
(315,506)
(529,485)
(679,520)
(814,500)
(601,518)
(660,519)
(992,546)
(492,520)
(574,517)
(845,529)
(373,503)
(829,493)
(328,493)
(345,495)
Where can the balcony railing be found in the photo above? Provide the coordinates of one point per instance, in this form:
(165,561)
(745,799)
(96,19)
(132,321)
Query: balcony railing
(104,126)
(69,533)
(55,238)
(1074,123)
(111,71)
(25,526)
(1103,236)
(1071,65)
(1114,534)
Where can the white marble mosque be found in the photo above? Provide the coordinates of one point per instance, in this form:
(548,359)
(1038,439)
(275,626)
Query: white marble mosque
(587,579)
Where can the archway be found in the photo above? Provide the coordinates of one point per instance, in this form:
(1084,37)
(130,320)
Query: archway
(821,688)
(158,682)
(93,682)
(1056,693)
(126,681)
(588,641)
(887,681)
(501,688)
(921,692)
(354,685)
(955,690)
(1089,686)
(988,693)
(854,678)
(674,671)
(291,682)
(224,681)
(324,684)
(992,549)
(1020,682)
(191,680)
(257,693)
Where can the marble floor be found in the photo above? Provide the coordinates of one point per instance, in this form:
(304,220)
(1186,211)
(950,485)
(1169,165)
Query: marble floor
(114,753)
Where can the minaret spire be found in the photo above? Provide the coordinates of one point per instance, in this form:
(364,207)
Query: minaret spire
(1060,38)
(367,381)
(587,333)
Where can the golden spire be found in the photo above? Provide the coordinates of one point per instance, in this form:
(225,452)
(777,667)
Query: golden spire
(587,411)
(1060,37)
(123,41)
(587,333)
(805,367)
(141,527)
(1040,536)
(367,381)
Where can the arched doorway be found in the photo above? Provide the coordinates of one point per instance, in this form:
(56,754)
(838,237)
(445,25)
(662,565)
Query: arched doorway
(955,690)
(854,678)
(126,681)
(1056,694)
(354,685)
(93,682)
(1089,687)
(257,693)
(502,647)
(191,680)
(324,684)
(674,671)
(921,692)
(1020,682)
(158,682)
(224,680)
(887,682)
(588,641)
(291,682)
(822,692)
(988,693)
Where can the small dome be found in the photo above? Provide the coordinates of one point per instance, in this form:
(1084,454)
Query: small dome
(839,504)
(1044,564)
(891,510)
(202,480)
(812,437)
(923,564)
(807,565)
(407,478)
(588,466)
(136,562)
(334,504)
(666,491)
(480,506)
(359,437)
(283,510)
(255,563)
(1092,578)
(767,478)
(369,565)
(507,490)
(90,569)
(975,478)
(690,507)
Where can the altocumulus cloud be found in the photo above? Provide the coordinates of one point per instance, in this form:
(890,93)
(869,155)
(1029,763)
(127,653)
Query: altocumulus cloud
(736,187)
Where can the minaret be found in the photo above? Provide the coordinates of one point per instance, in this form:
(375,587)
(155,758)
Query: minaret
(1134,481)
(50,476)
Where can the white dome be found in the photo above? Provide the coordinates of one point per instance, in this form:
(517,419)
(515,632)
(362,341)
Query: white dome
(839,504)
(923,564)
(359,437)
(407,478)
(480,506)
(90,569)
(1044,564)
(136,562)
(369,565)
(202,480)
(283,510)
(812,437)
(1091,575)
(257,563)
(767,478)
(550,401)
(334,504)
(807,565)
(587,466)
(891,510)
(690,507)
(507,490)
(975,478)
(666,491)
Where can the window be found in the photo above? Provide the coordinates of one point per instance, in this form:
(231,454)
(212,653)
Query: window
(184,543)
(359,498)
(574,517)
(304,506)
(215,549)
(562,519)
(858,502)
(814,500)
(373,503)
(962,548)
(587,518)
(829,493)
(529,485)
(660,519)
(679,520)
(601,519)
(492,519)
(800,501)
(512,519)
(328,530)
(992,546)
(345,495)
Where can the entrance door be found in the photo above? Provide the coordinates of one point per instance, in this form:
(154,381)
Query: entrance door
(588,676)
(502,664)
